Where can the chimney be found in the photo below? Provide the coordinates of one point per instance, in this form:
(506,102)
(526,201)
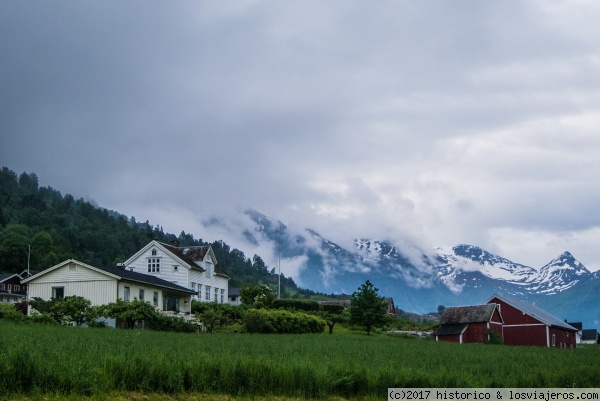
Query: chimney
(121,266)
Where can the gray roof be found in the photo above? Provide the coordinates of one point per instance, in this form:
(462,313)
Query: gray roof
(142,278)
(234,292)
(468,314)
(535,312)
(192,254)
(589,334)
(6,276)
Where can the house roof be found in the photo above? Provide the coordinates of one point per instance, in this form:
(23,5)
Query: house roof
(589,334)
(6,276)
(468,314)
(234,292)
(577,325)
(142,278)
(119,274)
(451,329)
(535,312)
(193,254)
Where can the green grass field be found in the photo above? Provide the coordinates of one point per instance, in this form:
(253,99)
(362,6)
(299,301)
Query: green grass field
(38,359)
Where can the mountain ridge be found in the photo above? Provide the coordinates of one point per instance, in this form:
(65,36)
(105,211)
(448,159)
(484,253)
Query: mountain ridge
(421,281)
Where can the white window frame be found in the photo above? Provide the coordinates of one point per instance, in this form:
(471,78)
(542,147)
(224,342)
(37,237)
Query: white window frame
(153,265)
(142,294)
(126,293)
(207,293)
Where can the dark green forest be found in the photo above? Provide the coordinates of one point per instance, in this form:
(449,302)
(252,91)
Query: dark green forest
(46,227)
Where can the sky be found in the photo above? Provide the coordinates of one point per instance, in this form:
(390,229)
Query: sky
(424,122)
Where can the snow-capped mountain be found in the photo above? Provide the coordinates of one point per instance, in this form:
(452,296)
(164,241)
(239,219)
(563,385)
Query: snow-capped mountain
(558,275)
(420,281)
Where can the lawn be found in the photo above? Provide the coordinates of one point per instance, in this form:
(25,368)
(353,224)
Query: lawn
(37,359)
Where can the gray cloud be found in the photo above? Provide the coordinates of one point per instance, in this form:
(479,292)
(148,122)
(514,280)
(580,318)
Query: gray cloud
(425,122)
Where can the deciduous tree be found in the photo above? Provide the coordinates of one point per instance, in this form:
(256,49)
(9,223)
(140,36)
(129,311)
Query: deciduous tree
(367,308)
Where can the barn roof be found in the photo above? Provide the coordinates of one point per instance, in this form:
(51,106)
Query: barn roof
(451,329)
(468,314)
(534,312)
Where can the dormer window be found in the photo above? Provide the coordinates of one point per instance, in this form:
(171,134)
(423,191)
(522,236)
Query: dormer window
(209,268)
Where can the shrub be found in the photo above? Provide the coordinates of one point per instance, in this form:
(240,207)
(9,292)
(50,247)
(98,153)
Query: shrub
(295,304)
(167,323)
(281,322)
(10,312)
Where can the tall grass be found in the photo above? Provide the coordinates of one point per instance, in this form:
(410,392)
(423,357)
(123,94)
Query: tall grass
(36,359)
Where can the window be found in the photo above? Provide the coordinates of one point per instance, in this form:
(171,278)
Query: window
(207,293)
(216,294)
(142,293)
(175,267)
(193,286)
(2,287)
(199,291)
(153,265)
(58,292)
(554,340)
(126,293)
(208,270)
(18,288)
(9,287)
(155,298)
(154,252)
(222,296)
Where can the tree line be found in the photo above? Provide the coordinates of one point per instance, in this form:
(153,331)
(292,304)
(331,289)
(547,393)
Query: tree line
(40,227)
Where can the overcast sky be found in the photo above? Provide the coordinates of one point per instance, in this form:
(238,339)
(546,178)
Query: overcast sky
(433,122)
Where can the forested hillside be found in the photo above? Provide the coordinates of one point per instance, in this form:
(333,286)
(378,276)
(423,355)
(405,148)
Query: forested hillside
(58,227)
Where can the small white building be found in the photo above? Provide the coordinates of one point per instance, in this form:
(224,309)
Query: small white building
(234,297)
(194,267)
(101,286)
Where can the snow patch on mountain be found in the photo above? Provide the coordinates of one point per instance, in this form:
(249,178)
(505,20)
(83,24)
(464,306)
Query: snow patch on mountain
(558,275)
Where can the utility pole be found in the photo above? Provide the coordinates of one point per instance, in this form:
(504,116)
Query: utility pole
(279,261)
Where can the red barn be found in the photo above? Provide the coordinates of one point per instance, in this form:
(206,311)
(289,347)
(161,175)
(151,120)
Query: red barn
(526,324)
(469,324)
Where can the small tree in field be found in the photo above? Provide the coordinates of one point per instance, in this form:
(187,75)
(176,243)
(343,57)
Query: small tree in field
(367,308)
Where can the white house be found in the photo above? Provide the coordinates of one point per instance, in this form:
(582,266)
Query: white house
(194,267)
(102,285)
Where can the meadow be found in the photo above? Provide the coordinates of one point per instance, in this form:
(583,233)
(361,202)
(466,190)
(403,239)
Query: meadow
(36,359)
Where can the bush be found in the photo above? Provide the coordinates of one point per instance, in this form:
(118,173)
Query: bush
(43,318)
(493,337)
(295,304)
(166,323)
(281,322)
(10,312)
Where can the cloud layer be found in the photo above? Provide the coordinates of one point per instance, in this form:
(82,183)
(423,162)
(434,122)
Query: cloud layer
(429,122)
